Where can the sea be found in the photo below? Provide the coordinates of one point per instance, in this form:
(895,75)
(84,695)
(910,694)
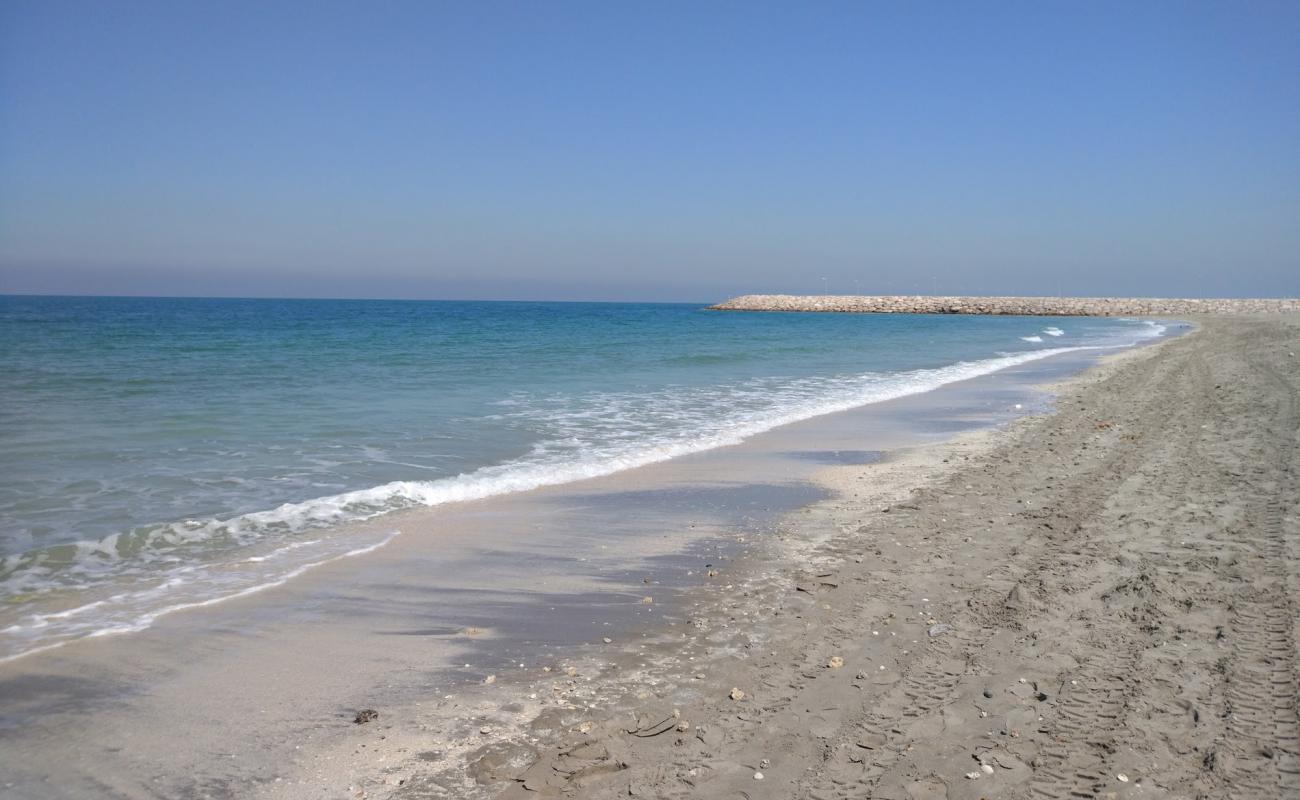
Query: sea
(158,454)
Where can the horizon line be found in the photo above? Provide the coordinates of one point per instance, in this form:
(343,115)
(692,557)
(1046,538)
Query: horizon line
(355,299)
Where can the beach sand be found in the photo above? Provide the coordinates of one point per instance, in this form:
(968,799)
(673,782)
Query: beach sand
(1100,601)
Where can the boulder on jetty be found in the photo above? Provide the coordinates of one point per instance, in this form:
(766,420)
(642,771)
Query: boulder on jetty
(1028,306)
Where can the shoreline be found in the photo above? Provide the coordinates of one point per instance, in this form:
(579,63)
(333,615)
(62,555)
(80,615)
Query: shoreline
(447,605)
(950,634)
(118,610)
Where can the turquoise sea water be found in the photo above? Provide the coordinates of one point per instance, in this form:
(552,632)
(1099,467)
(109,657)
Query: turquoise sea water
(157,454)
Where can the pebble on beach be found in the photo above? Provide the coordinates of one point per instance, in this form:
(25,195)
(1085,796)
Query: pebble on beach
(737,694)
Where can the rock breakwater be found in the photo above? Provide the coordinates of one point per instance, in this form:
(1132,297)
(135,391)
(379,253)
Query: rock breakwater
(1032,306)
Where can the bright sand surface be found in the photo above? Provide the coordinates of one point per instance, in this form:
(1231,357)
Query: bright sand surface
(1024,542)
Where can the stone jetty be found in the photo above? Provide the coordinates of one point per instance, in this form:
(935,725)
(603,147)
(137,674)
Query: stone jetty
(1031,306)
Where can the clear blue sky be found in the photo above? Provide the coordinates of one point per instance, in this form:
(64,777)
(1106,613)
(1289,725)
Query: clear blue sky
(639,150)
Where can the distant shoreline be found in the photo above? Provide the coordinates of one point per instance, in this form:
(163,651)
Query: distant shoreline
(1013,306)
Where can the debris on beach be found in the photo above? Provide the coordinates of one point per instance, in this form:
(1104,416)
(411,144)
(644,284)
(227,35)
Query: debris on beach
(737,694)
(365,715)
(652,724)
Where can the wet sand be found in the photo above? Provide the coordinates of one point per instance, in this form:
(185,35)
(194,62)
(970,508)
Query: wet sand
(1098,602)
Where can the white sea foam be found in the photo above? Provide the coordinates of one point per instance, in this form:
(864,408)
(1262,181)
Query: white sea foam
(1154,329)
(1035,339)
(1053,331)
(130,612)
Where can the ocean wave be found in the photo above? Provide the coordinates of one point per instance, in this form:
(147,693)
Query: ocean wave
(1154,328)
(1034,339)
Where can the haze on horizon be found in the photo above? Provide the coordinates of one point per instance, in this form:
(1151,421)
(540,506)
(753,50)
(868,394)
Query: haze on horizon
(649,151)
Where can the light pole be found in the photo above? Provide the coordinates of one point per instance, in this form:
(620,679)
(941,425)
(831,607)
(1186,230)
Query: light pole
(823,286)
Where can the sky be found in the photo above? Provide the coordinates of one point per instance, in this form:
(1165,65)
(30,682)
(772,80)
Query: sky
(674,151)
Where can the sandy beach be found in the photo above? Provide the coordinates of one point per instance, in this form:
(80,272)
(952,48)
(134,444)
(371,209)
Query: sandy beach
(1098,602)
(980,591)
